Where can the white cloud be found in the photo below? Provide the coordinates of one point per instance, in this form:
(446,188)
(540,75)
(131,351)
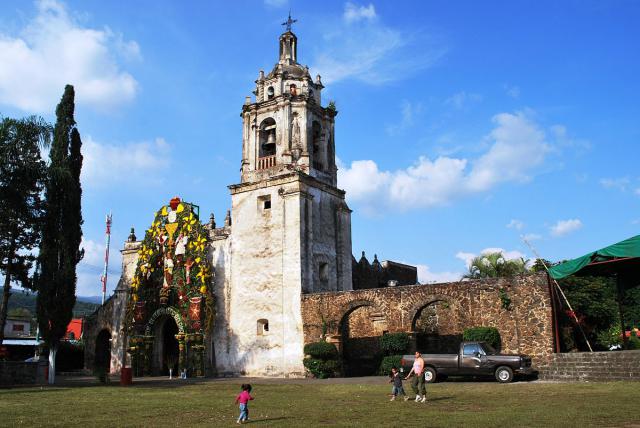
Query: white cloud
(462,99)
(532,237)
(54,50)
(426,276)
(361,47)
(515,224)
(516,148)
(136,163)
(354,13)
(465,257)
(564,227)
(621,183)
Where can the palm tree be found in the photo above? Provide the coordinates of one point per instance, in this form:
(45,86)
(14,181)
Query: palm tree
(495,265)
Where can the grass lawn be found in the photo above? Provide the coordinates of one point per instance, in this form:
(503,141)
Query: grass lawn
(336,402)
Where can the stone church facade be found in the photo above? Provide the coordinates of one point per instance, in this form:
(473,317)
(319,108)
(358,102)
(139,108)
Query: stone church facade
(286,239)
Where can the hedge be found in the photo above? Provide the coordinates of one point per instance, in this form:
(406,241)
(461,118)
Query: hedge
(394,343)
(321,350)
(483,334)
(388,362)
(321,369)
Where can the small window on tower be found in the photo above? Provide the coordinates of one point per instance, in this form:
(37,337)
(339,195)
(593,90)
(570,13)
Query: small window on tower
(270,92)
(264,202)
(293,90)
(263,327)
(323,272)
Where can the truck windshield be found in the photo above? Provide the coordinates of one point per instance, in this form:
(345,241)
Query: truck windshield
(488,349)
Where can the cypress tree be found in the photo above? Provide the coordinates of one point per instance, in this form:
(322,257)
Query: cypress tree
(62,230)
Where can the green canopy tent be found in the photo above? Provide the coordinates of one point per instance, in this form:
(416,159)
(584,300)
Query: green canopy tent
(621,260)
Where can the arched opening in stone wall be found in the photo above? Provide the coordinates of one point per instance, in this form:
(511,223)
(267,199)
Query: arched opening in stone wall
(102,356)
(166,351)
(361,328)
(437,328)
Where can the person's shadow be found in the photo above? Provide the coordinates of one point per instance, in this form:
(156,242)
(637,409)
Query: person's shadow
(267,419)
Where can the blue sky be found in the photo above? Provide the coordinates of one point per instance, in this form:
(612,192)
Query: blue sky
(462,125)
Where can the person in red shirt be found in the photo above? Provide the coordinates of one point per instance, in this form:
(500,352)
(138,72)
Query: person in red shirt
(243,399)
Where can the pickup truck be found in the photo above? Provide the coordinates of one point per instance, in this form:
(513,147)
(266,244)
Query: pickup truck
(473,359)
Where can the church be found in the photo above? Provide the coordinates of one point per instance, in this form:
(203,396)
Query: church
(288,234)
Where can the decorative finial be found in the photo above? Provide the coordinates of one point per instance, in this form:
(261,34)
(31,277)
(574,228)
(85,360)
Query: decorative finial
(227,219)
(132,236)
(212,221)
(289,21)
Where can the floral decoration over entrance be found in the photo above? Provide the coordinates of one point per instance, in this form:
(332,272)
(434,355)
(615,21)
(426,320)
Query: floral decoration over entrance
(173,277)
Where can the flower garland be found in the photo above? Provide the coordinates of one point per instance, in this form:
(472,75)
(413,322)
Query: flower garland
(173,269)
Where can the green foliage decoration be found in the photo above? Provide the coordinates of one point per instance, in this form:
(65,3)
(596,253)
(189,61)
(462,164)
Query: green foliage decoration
(394,343)
(505,300)
(491,335)
(495,265)
(633,342)
(164,278)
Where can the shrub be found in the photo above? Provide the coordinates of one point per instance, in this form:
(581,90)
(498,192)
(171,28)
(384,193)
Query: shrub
(611,337)
(483,334)
(321,369)
(633,342)
(321,350)
(394,343)
(388,362)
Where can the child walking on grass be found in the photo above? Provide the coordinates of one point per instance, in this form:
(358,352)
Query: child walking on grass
(398,389)
(243,399)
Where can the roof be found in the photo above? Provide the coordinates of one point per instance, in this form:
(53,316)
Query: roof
(607,260)
(22,342)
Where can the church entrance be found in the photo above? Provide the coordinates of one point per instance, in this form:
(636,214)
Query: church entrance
(102,356)
(166,350)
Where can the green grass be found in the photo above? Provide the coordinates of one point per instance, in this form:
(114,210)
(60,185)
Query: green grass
(314,403)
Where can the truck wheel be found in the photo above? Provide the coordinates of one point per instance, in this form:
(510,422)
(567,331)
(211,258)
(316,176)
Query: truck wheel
(430,375)
(504,374)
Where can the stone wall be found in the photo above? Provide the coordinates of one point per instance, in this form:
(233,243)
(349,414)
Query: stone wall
(434,315)
(593,366)
(23,373)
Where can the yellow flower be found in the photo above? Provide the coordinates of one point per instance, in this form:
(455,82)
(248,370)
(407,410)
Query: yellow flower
(199,243)
(164,211)
(134,297)
(203,289)
(180,208)
(202,275)
(190,222)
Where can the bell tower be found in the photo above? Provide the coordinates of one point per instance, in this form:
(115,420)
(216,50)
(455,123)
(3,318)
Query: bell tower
(290,224)
(286,128)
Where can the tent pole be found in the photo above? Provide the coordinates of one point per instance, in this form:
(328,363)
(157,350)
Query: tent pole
(575,317)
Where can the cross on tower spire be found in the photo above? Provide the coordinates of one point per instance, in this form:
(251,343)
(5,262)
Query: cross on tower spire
(289,21)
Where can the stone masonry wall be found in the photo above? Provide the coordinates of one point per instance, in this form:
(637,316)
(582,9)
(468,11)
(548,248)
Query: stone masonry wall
(593,366)
(526,327)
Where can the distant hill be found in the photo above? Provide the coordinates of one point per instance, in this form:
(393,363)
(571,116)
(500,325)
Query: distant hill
(27,300)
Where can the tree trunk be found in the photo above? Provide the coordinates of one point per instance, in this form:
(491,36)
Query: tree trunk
(53,350)
(6,292)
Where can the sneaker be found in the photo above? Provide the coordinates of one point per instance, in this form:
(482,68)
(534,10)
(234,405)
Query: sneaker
(406,398)
(418,398)
(393,398)
(424,399)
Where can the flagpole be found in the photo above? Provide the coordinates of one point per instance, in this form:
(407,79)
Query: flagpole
(103,278)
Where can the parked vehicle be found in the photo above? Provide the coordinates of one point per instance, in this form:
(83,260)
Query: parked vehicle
(473,359)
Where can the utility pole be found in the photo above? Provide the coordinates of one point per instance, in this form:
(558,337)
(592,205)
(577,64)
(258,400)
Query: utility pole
(105,273)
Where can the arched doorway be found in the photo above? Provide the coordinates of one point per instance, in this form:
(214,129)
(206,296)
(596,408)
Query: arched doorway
(436,328)
(361,328)
(165,346)
(102,356)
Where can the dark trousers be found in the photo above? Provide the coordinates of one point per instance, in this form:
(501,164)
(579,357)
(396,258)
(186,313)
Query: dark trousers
(417,384)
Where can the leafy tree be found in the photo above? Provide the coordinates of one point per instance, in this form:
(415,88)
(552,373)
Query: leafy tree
(495,265)
(22,173)
(539,265)
(594,302)
(62,230)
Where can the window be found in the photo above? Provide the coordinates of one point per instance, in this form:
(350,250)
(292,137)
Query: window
(18,327)
(470,349)
(267,138)
(293,90)
(264,202)
(263,327)
(323,272)
(270,92)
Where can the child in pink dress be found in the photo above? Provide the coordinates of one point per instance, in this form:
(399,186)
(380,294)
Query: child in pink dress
(243,398)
